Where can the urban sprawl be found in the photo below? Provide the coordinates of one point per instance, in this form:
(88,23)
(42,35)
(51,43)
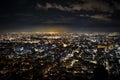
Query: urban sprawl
(59,56)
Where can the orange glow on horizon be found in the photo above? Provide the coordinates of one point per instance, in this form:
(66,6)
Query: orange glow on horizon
(52,30)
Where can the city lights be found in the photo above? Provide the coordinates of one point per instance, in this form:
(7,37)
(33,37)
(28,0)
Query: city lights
(50,54)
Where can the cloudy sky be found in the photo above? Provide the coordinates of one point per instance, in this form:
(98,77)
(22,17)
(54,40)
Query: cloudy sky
(60,15)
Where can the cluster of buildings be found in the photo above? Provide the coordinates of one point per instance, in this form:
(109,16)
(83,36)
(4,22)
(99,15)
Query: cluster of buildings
(58,56)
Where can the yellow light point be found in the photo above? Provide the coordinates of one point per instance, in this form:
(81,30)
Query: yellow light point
(99,46)
(64,45)
(111,47)
(36,49)
(46,42)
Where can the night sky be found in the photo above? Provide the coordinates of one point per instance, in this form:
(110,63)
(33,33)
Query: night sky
(60,15)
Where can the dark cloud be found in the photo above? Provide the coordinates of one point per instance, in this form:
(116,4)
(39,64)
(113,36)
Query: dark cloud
(87,5)
(76,15)
(101,17)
